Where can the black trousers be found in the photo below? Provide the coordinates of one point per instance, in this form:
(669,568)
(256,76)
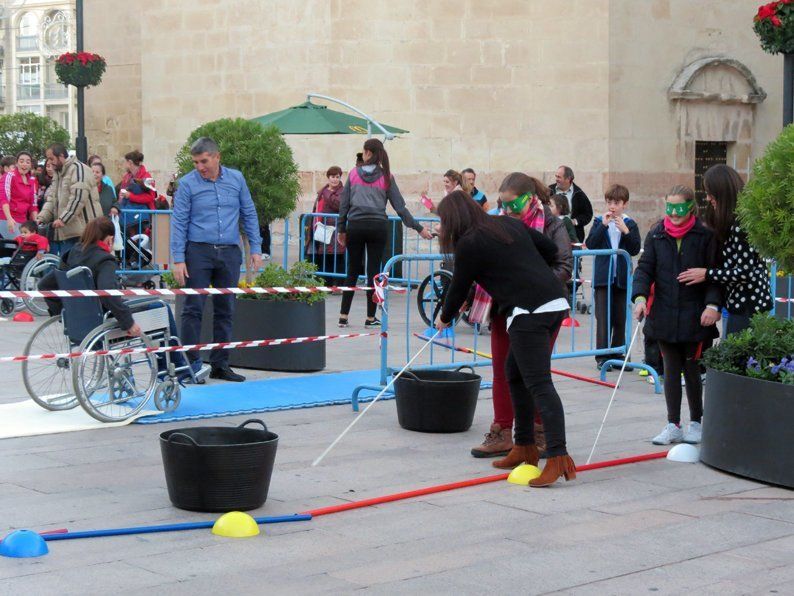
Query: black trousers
(219,266)
(736,323)
(364,237)
(612,332)
(528,372)
(682,358)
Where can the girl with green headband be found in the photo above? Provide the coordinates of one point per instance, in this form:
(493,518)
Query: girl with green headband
(681,317)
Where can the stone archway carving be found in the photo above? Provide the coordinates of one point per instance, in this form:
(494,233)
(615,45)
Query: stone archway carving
(686,87)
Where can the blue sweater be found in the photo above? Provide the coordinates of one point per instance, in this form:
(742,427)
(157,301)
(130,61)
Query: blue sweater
(598,238)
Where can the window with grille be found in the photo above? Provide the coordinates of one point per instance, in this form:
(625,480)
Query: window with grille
(707,154)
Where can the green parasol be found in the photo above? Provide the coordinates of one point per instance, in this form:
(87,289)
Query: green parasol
(312,119)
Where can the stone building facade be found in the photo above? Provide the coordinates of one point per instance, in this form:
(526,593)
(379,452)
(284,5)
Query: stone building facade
(630,91)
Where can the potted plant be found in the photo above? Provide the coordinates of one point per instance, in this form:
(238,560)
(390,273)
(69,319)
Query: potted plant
(264,158)
(273,316)
(774,26)
(749,392)
(749,403)
(80,69)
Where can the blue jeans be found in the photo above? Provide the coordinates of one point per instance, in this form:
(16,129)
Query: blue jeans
(61,247)
(217,266)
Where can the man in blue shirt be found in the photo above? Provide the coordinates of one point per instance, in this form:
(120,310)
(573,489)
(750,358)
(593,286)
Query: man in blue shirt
(205,246)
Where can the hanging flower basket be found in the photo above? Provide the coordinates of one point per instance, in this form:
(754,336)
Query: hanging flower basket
(774,25)
(81,69)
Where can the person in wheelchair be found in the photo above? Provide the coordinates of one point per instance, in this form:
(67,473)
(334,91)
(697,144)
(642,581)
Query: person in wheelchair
(94,251)
(16,254)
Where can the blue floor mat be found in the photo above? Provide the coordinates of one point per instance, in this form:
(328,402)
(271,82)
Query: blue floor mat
(267,395)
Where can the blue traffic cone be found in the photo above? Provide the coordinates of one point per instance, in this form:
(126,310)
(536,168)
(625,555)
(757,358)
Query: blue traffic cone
(21,544)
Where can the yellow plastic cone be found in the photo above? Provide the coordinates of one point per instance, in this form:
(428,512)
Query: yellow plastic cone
(235,524)
(523,474)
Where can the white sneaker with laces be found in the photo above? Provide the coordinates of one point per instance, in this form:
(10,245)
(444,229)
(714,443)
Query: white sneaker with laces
(693,433)
(670,434)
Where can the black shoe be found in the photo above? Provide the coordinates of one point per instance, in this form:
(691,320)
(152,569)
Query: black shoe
(371,324)
(226,374)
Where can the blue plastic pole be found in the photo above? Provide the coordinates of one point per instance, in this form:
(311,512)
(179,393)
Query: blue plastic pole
(166,528)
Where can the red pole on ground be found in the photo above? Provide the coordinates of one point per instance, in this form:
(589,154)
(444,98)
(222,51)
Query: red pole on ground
(429,490)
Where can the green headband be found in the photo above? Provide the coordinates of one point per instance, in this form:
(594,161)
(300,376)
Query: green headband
(679,209)
(517,205)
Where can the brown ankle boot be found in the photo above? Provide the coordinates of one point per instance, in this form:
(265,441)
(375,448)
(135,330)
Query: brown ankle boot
(519,454)
(498,441)
(562,465)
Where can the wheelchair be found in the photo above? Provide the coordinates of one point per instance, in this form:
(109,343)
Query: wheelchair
(431,293)
(22,272)
(109,387)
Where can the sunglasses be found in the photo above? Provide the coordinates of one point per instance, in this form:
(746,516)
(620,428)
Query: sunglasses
(679,209)
(517,205)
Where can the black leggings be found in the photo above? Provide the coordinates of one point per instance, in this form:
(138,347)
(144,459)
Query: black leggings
(363,237)
(528,372)
(682,358)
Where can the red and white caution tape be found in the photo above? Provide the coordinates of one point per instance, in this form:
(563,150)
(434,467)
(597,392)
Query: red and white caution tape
(784,299)
(227,345)
(180,292)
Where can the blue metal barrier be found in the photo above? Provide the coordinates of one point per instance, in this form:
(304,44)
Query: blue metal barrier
(333,264)
(401,331)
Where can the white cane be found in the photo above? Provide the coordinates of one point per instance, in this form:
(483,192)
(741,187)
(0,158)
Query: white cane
(372,403)
(615,390)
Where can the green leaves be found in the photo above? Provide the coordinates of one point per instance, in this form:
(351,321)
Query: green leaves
(756,352)
(766,205)
(301,274)
(263,157)
(24,131)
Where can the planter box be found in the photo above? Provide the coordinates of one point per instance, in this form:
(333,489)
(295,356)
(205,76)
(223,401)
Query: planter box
(269,319)
(747,427)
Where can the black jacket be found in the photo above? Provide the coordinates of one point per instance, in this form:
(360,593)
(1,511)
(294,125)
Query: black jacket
(103,269)
(675,312)
(581,209)
(598,238)
(516,274)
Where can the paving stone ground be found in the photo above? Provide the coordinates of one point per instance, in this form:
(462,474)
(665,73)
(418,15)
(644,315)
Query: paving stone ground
(656,527)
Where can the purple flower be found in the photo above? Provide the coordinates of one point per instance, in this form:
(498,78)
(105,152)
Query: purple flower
(752,364)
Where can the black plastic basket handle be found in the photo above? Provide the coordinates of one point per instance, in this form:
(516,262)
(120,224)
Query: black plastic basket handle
(410,375)
(460,368)
(256,420)
(191,440)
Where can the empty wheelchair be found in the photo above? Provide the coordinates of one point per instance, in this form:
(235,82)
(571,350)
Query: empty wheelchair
(110,383)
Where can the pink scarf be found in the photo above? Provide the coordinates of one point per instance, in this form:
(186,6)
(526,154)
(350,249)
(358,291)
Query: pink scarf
(534,217)
(679,230)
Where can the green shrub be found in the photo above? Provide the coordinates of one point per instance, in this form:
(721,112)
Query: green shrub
(766,205)
(263,157)
(301,274)
(764,351)
(24,131)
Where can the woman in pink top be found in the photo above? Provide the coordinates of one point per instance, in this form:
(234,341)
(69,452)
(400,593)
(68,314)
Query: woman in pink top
(18,193)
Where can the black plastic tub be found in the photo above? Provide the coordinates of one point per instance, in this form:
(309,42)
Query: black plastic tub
(218,468)
(437,401)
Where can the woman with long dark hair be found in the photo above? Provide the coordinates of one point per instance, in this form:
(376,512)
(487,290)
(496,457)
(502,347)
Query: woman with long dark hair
(363,223)
(512,263)
(740,269)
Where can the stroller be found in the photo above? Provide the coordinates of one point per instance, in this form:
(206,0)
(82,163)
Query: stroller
(136,259)
(13,261)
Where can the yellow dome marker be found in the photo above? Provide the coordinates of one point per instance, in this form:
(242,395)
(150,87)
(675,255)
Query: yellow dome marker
(235,524)
(523,474)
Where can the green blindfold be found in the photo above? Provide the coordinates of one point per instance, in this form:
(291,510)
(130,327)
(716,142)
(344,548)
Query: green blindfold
(517,205)
(679,209)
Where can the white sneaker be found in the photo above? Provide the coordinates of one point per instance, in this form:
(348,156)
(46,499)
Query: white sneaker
(670,434)
(693,433)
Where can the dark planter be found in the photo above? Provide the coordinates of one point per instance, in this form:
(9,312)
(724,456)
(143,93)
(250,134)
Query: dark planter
(271,319)
(437,401)
(747,427)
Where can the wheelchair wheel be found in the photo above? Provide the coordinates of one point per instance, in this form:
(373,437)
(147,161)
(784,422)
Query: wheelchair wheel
(29,281)
(430,296)
(49,382)
(114,388)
